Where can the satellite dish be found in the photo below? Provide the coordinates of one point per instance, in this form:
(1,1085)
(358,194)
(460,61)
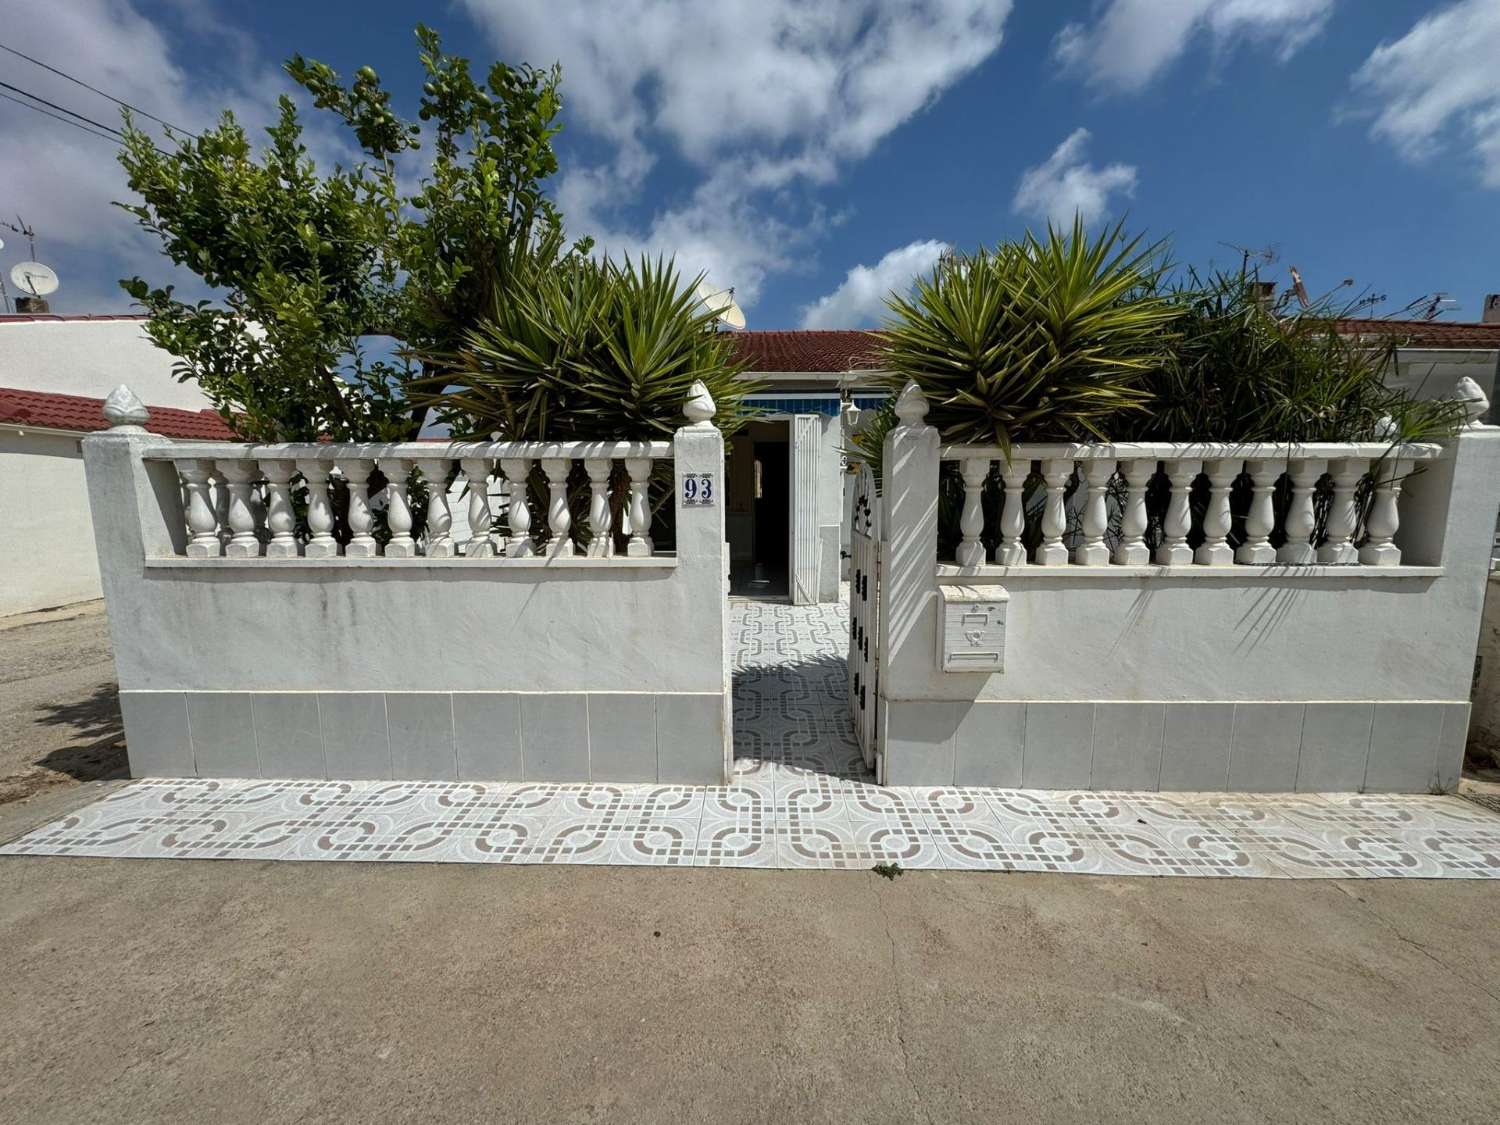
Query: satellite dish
(2,244)
(720,302)
(34,278)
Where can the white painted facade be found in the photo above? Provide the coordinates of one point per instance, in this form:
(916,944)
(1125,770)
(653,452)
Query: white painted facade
(90,358)
(46,536)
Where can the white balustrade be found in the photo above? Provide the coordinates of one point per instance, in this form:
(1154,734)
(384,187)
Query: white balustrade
(601,539)
(1095,478)
(1055,475)
(1301,519)
(1215,549)
(1012,551)
(439,543)
(517,472)
(1132,549)
(1343,513)
(1384,520)
(1366,489)
(971,523)
(559,518)
(203,524)
(243,542)
(398,509)
(640,508)
(362,544)
(281,521)
(320,544)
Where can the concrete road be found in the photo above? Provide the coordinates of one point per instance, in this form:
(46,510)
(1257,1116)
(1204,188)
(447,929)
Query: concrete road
(156,990)
(59,713)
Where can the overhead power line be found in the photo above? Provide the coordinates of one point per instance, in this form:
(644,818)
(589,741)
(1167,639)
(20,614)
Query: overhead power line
(113,133)
(60,117)
(96,90)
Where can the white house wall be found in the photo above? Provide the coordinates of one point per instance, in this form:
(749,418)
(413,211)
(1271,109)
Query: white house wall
(91,358)
(46,538)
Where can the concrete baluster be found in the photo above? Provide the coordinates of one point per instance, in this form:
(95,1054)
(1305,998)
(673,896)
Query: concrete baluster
(1012,551)
(971,551)
(1096,476)
(1343,514)
(640,544)
(398,509)
(1301,521)
(601,541)
(439,544)
(361,544)
(1385,518)
(1215,549)
(202,523)
(1175,551)
(321,544)
(559,518)
(243,542)
(517,471)
(1260,521)
(281,520)
(1053,552)
(1132,549)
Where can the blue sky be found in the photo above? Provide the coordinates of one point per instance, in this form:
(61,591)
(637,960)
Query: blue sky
(814,156)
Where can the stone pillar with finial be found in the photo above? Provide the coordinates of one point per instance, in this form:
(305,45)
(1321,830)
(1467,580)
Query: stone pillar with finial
(703,569)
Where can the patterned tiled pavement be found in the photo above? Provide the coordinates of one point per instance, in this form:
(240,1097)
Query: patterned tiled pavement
(800,797)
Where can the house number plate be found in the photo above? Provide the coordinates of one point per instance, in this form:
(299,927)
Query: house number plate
(698,490)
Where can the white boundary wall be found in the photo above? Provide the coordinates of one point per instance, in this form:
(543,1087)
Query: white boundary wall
(485,668)
(1193,677)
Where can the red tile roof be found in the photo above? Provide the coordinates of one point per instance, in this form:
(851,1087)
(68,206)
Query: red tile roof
(80,414)
(1427,333)
(835,350)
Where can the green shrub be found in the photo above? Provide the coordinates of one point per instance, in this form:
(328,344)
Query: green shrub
(589,350)
(1242,369)
(1036,340)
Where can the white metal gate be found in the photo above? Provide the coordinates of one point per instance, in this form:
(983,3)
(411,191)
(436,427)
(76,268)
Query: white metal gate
(864,601)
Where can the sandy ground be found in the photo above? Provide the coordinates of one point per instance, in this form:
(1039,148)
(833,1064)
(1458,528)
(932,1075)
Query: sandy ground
(59,716)
(159,990)
(155,990)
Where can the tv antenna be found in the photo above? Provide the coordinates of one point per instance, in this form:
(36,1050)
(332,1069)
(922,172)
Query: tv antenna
(4,296)
(720,302)
(1299,288)
(1264,254)
(1437,305)
(26,232)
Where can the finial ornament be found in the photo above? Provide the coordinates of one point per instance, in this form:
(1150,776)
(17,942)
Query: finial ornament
(1386,428)
(699,407)
(911,406)
(1475,403)
(123,410)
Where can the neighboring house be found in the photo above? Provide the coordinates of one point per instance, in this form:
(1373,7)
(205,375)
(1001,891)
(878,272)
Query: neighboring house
(54,374)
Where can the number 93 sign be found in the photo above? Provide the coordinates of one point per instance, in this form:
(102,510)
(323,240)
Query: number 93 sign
(698,490)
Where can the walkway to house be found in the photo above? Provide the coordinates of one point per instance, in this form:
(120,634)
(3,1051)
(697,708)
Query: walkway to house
(800,797)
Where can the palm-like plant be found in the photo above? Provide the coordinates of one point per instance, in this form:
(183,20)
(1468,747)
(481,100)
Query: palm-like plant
(1043,339)
(589,350)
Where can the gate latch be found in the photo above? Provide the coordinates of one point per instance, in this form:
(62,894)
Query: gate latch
(971,633)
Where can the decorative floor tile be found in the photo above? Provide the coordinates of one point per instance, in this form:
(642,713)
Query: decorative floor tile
(799,796)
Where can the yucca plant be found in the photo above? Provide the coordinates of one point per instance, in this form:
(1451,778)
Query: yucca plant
(589,350)
(1043,339)
(1246,369)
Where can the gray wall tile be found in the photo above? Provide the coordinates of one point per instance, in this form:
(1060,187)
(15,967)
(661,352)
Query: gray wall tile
(421,726)
(622,737)
(157,742)
(487,735)
(918,742)
(1403,747)
(356,741)
(1450,750)
(988,744)
(1264,748)
(690,739)
(1059,745)
(1195,747)
(555,736)
(288,737)
(1335,747)
(223,731)
(1127,745)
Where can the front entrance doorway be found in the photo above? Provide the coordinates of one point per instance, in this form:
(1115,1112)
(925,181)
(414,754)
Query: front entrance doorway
(760,510)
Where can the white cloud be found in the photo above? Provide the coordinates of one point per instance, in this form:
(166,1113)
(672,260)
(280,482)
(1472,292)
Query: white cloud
(1439,84)
(1065,184)
(761,96)
(1130,42)
(62,180)
(860,300)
